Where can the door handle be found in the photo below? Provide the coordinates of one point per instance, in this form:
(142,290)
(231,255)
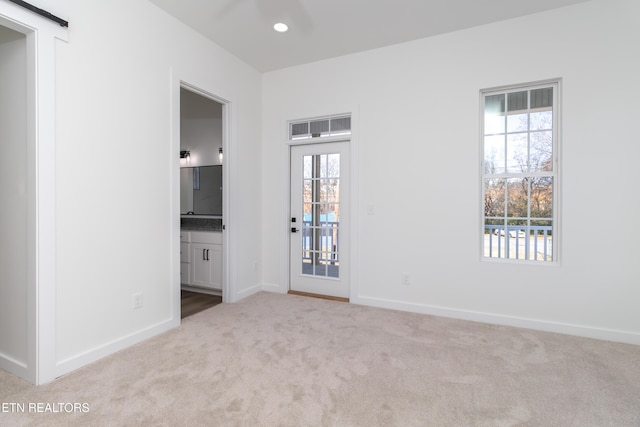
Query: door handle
(294,230)
(207,254)
(203,255)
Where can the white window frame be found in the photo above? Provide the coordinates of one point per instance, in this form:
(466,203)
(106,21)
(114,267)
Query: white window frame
(329,132)
(554,257)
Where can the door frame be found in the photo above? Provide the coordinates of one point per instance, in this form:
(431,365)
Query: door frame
(325,142)
(354,202)
(228,294)
(41,36)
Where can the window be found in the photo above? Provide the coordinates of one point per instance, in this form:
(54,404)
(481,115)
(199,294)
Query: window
(520,172)
(320,128)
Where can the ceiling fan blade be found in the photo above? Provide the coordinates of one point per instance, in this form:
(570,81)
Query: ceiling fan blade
(228,7)
(292,10)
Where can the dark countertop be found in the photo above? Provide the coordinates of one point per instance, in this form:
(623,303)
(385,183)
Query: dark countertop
(201,224)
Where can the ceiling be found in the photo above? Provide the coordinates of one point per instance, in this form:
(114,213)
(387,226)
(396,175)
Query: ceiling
(196,106)
(321,29)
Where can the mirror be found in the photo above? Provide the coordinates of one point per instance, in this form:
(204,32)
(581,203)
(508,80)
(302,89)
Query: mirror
(201,190)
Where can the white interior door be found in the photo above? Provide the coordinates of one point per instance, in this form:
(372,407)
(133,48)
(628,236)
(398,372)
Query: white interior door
(319,254)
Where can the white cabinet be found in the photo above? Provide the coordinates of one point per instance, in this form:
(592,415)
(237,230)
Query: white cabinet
(206,265)
(204,260)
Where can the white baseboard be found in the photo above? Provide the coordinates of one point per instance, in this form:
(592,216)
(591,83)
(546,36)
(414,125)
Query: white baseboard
(276,289)
(75,362)
(495,319)
(16,368)
(72,363)
(247,292)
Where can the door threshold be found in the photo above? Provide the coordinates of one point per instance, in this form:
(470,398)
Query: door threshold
(308,294)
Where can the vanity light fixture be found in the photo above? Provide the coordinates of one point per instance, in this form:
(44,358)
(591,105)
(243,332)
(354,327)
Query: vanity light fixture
(280,27)
(220,154)
(185,157)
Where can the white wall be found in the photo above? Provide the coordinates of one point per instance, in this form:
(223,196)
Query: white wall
(117,171)
(416,125)
(13,199)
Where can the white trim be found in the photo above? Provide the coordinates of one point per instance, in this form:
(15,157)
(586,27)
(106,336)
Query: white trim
(354,196)
(17,367)
(333,286)
(308,121)
(516,87)
(25,366)
(319,140)
(556,83)
(250,291)
(174,197)
(41,40)
(273,288)
(228,282)
(513,321)
(92,355)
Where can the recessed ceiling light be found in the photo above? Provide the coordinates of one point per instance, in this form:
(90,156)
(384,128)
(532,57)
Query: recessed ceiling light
(280,27)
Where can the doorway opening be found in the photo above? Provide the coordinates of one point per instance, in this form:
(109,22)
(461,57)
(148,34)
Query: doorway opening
(202,199)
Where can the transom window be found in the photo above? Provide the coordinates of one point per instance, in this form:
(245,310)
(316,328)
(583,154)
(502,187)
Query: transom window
(320,128)
(520,172)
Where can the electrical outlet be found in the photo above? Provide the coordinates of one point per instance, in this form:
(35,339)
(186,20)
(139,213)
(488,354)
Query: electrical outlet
(137,300)
(405,279)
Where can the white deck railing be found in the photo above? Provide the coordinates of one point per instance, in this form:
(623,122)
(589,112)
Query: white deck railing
(533,243)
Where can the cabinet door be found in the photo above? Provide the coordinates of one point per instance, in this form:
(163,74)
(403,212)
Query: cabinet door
(185,266)
(201,264)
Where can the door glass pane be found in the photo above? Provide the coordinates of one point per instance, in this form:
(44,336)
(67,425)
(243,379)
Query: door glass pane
(333,166)
(333,191)
(323,166)
(333,211)
(306,167)
(307,189)
(320,230)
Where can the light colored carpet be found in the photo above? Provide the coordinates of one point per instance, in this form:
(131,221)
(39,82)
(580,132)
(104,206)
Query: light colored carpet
(285,360)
